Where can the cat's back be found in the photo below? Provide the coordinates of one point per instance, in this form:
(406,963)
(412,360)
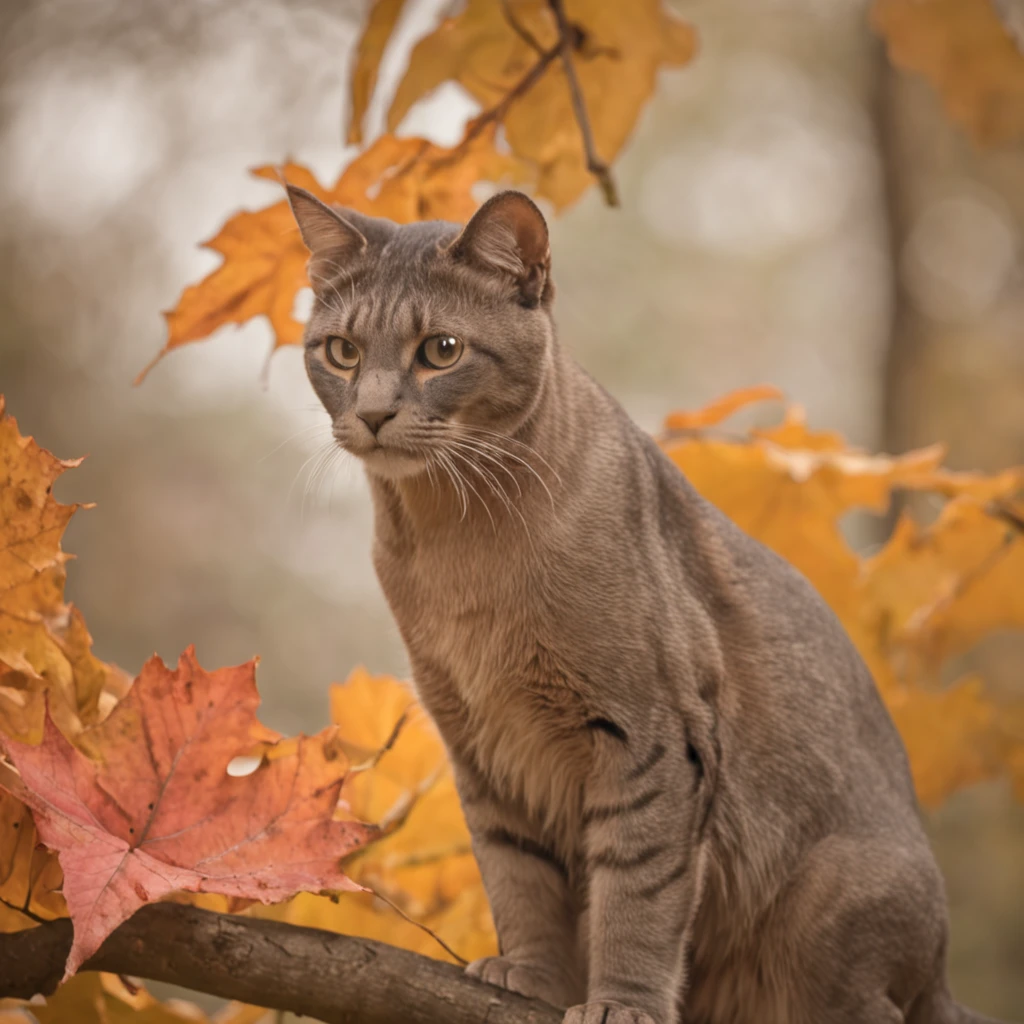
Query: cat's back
(796,693)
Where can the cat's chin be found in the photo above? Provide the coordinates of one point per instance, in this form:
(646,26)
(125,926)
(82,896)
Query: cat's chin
(393,465)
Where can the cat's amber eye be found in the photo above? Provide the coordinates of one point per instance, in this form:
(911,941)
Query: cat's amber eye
(341,353)
(440,352)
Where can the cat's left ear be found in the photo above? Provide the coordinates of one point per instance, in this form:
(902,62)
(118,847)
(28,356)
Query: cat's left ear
(326,233)
(508,237)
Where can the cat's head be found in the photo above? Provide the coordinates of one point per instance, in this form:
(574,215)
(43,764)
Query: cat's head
(426,336)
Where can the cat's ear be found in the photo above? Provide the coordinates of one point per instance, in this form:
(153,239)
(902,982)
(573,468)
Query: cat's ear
(325,232)
(508,237)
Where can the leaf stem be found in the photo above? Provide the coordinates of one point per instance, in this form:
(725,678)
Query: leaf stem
(567,41)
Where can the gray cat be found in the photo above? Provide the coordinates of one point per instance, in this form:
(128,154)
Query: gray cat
(686,797)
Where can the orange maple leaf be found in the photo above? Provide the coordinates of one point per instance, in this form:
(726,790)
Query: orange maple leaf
(264,264)
(159,811)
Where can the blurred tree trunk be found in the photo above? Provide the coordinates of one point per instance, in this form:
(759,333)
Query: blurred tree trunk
(958,377)
(955,373)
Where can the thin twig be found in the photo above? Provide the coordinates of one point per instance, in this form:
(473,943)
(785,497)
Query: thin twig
(496,114)
(520,29)
(567,40)
(419,924)
(25,909)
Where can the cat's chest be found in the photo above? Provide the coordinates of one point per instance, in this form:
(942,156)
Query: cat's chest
(505,693)
(477,621)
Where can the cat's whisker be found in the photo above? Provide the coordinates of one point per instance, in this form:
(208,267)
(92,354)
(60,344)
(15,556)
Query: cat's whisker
(495,486)
(515,457)
(493,482)
(489,478)
(320,279)
(330,476)
(512,440)
(292,437)
(483,451)
(428,465)
(469,462)
(318,453)
(316,475)
(345,274)
(446,465)
(453,474)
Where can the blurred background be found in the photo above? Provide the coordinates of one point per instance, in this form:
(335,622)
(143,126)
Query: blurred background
(794,212)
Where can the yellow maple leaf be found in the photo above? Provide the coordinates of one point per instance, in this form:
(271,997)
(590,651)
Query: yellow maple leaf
(930,593)
(30,875)
(423,865)
(789,487)
(493,50)
(954,737)
(44,645)
(968,55)
(939,589)
(97,998)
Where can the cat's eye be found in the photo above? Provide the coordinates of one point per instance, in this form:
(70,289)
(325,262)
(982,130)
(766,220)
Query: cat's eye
(440,352)
(341,353)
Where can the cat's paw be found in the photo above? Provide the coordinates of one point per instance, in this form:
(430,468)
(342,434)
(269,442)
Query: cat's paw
(525,977)
(606,1012)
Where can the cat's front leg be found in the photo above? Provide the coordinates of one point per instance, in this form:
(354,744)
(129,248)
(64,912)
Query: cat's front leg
(534,909)
(643,814)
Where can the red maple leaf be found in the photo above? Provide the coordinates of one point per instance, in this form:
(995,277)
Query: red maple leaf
(157,811)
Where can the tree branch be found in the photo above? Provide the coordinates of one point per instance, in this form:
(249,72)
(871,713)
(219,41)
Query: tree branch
(332,978)
(567,41)
(570,37)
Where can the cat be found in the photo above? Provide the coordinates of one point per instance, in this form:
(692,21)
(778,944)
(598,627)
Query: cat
(686,797)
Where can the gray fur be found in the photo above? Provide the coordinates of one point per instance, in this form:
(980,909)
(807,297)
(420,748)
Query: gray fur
(686,797)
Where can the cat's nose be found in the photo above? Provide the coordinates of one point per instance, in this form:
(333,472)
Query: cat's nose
(375,420)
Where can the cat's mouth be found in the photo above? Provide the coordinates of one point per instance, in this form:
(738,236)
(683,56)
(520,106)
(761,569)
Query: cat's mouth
(390,462)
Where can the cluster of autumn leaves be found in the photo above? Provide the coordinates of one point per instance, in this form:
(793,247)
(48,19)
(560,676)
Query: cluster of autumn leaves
(136,773)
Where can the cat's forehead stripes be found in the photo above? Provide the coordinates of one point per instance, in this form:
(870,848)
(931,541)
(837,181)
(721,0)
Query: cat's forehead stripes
(376,316)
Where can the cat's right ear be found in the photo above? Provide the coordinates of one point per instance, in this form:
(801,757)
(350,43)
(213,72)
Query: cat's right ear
(326,233)
(508,237)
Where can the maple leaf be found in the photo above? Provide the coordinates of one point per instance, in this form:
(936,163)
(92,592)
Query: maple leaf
(44,645)
(967,53)
(98,998)
(32,609)
(930,593)
(940,588)
(956,736)
(264,264)
(380,23)
(160,812)
(789,487)
(490,48)
(30,877)
(422,863)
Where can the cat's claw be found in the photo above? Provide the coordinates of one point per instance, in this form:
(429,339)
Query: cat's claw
(606,1012)
(526,978)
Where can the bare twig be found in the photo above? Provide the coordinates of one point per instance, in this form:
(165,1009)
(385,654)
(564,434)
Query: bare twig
(520,29)
(568,39)
(24,909)
(318,974)
(496,114)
